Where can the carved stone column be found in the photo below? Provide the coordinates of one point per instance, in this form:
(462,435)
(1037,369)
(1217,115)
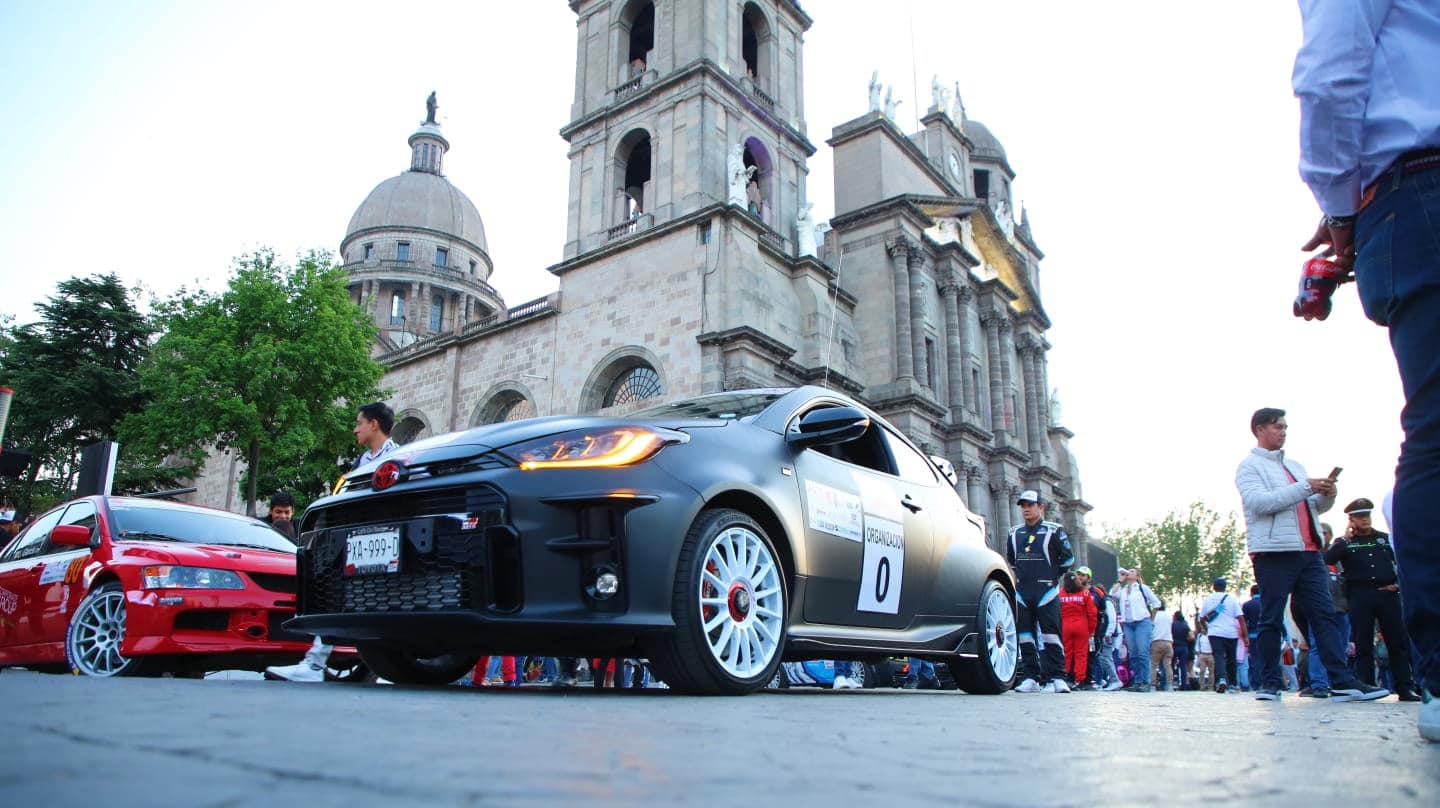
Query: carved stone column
(427,306)
(975,498)
(999,511)
(1044,363)
(412,309)
(953,363)
(1028,349)
(990,322)
(900,272)
(1007,349)
(917,316)
(967,348)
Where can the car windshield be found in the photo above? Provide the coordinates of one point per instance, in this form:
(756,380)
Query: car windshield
(725,407)
(194,527)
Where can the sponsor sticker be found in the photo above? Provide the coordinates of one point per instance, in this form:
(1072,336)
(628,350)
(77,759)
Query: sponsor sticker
(830,510)
(54,572)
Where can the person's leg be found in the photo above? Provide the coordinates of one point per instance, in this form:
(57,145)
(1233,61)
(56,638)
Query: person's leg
(1319,679)
(1207,670)
(1392,624)
(1276,574)
(1222,650)
(1029,653)
(1105,659)
(912,673)
(1140,652)
(1052,658)
(1362,626)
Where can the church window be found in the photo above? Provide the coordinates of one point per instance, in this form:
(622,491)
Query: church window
(641,40)
(397,308)
(472,267)
(639,382)
(369,252)
(517,409)
(759,166)
(930,362)
(402,251)
(702,233)
(442,257)
(982,183)
(634,175)
(754,45)
(437,312)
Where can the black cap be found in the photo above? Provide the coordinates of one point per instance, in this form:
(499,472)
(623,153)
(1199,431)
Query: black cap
(1220,584)
(1360,507)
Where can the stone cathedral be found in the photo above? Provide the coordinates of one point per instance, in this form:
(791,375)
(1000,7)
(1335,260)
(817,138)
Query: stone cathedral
(691,263)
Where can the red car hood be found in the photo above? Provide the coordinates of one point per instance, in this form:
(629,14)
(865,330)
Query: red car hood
(214,556)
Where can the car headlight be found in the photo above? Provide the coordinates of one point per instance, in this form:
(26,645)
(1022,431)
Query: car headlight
(190,578)
(592,448)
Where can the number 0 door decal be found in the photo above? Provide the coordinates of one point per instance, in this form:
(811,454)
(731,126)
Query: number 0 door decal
(883,562)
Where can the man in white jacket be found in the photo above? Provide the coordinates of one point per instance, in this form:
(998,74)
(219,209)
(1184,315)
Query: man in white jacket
(1282,524)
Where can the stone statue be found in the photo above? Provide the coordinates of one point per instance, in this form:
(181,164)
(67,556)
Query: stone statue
(805,231)
(957,112)
(1003,214)
(430,107)
(739,173)
(967,237)
(891,102)
(875,91)
(939,94)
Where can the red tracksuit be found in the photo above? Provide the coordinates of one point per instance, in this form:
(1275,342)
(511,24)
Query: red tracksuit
(1078,619)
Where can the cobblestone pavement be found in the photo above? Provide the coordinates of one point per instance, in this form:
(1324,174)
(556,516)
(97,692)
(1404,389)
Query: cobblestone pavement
(123,742)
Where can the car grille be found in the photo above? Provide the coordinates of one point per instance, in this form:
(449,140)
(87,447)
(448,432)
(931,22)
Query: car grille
(274,582)
(486,462)
(457,571)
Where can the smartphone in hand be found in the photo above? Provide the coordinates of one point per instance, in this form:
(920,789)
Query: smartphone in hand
(1335,473)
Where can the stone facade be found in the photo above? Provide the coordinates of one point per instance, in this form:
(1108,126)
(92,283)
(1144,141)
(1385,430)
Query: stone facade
(923,300)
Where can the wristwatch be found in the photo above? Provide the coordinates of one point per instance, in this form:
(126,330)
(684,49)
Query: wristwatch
(1340,221)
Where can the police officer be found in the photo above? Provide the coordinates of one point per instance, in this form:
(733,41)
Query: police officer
(1367,565)
(1039,553)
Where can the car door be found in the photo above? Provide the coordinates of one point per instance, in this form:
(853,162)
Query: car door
(59,585)
(20,606)
(863,539)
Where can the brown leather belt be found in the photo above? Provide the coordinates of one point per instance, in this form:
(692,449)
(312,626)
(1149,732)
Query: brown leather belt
(1408,163)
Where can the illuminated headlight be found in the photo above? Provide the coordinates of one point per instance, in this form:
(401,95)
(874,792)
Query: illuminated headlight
(190,578)
(599,448)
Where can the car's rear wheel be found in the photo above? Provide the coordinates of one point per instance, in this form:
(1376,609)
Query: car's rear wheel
(405,668)
(992,671)
(730,608)
(355,673)
(92,642)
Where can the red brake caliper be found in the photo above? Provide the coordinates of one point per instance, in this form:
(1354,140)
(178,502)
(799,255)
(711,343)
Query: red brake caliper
(708,590)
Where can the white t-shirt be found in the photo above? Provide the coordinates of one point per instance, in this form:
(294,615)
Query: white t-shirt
(1202,645)
(1161,629)
(1224,623)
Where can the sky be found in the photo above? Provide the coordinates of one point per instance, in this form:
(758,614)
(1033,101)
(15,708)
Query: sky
(1155,146)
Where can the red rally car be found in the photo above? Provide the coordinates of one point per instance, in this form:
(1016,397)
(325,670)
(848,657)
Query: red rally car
(114,586)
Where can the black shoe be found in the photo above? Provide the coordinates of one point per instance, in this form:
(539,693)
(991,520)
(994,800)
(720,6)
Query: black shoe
(910,684)
(1315,693)
(1358,691)
(1406,694)
(1221,686)
(930,684)
(1267,694)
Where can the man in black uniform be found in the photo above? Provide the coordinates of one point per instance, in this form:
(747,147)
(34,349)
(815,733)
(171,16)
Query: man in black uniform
(1367,564)
(1039,553)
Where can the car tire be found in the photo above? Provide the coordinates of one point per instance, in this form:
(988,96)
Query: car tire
(992,670)
(729,577)
(95,633)
(356,673)
(405,668)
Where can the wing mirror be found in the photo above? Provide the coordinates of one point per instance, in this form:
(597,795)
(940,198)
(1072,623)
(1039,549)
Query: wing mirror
(71,535)
(829,426)
(947,469)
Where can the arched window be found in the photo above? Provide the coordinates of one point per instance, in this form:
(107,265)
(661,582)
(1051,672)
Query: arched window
(633,175)
(397,307)
(437,312)
(408,429)
(518,409)
(755,45)
(757,189)
(641,39)
(640,381)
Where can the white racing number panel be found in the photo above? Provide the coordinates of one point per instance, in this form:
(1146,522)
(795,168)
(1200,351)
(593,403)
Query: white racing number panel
(372,551)
(883,564)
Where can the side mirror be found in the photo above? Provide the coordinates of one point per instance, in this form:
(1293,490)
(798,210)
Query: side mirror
(829,426)
(71,535)
(947,469)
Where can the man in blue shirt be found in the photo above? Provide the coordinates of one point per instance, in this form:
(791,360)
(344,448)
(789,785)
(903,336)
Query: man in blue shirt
(1370,152)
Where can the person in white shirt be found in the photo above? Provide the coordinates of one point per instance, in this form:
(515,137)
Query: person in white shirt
(1223,622)
(1204,661)
(1162,649)
(1136,606)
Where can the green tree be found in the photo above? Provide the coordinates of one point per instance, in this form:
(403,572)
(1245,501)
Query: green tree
(74,376)
(273,367)
(1182,553)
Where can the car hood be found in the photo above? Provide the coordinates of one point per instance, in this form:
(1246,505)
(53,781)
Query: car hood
(215,556)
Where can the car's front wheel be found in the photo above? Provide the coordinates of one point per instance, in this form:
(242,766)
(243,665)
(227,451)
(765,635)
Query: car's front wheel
(992,670)
(92,642)
(405,668)
(730,608)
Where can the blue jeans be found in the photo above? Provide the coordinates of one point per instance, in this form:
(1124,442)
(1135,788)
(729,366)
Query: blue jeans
(1137,638)
(1398,271)
(1301,575)
(1242,673)
(1319,679)
(920,670)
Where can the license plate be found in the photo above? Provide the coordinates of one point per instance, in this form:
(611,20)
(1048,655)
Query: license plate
(373,552)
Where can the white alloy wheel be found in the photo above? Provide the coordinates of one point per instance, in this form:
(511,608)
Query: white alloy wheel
(1001,643)
(742,602)
(96,632)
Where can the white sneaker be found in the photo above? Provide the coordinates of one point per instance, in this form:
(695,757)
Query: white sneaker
(303,671)
(846,683)
(1028,686)
(1114,685)
(1057,686)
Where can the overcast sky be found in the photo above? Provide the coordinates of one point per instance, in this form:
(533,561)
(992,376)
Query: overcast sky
(1155,145)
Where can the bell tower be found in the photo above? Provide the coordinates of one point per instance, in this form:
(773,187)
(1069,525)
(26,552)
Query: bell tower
(665,92)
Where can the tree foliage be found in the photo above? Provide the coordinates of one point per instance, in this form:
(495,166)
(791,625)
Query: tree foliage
(74,376)
(272,367)
(1182,553)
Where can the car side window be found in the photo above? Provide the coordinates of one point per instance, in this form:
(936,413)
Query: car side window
(82,514)
(911,465)
(867,451)
(32,541)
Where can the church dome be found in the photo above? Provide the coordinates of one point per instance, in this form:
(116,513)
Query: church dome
(419,200)
(987,146)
